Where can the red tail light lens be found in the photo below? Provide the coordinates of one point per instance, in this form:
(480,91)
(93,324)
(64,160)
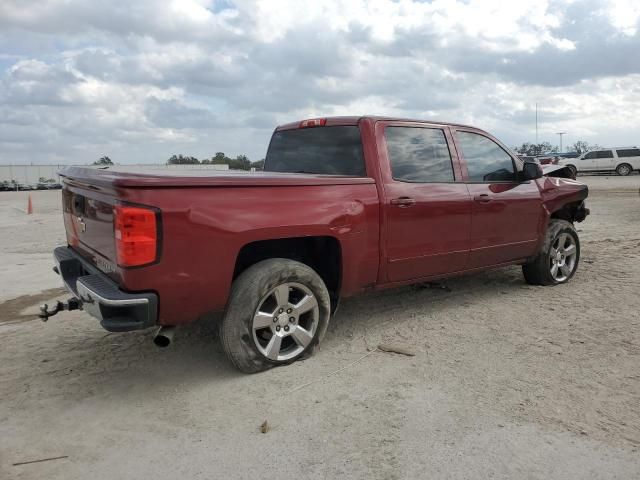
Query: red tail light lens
(313,122)
(136,235)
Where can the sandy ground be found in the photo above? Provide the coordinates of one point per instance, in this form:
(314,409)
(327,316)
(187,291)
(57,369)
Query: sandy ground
(509,380)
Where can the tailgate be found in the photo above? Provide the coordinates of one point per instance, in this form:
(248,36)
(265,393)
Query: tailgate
(88,221)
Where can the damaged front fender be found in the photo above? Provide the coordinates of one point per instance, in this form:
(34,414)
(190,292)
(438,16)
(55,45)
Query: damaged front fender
(563,197)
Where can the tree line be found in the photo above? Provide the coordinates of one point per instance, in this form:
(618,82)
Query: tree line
(241,162)
(534,149)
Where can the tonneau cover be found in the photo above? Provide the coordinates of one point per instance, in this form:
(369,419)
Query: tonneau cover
(200,178)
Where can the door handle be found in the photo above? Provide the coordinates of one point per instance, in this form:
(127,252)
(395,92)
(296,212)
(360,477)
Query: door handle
(403,202)
(483,198)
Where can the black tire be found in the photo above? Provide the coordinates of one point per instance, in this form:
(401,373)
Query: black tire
(248,293)
(624,169)
(573,170)
(538,270)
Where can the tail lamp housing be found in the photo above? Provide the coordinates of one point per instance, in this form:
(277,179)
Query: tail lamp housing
(136,231)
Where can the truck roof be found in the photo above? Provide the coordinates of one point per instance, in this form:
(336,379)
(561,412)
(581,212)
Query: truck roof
(354,120)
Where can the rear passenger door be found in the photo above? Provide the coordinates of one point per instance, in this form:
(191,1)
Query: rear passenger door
(427,212)
(604,160)
(596,160)
(507,213)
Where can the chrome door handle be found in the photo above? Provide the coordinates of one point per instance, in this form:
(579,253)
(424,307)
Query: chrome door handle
(403,202)
(483,198)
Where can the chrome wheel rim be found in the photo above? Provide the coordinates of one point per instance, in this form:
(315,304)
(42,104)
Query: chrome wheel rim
(623,170)
(285,321)
(562,257)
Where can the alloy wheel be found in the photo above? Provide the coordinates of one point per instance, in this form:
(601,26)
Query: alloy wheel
(562,257)
(285,321)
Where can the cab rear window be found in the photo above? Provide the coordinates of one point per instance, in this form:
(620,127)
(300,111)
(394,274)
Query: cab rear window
(320,150)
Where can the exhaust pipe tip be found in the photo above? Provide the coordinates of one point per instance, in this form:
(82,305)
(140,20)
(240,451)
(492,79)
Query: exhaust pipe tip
(164,336)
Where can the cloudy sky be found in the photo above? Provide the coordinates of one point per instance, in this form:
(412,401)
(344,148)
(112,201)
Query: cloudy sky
(140,80)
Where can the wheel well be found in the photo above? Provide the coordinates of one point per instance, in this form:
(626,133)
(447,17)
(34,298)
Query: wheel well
(323,254)
(571,212)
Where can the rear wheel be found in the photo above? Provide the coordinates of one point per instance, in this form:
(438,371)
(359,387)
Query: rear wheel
(573,170)
(558,259)
(278,312)
(624,169)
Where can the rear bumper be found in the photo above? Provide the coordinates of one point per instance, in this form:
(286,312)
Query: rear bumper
(100,296)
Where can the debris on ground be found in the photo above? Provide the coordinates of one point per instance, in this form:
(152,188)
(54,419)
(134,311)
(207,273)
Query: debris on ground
(40,460)
(264,428)
(396,348)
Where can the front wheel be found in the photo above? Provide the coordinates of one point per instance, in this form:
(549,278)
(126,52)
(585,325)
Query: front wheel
(558,259)
(277,313)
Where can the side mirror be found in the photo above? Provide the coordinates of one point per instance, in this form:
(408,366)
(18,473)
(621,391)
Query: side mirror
(531,171)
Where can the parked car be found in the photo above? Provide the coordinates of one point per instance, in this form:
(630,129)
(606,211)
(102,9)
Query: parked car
(568,155)
(548,159)
(622,160)
(345,205)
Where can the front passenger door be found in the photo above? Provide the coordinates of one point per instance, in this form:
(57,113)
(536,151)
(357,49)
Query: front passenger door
(506,214)
(588,163)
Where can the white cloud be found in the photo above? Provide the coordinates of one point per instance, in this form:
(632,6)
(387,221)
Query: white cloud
(142,80)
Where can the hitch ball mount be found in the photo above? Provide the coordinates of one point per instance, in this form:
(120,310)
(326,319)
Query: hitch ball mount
(71,304)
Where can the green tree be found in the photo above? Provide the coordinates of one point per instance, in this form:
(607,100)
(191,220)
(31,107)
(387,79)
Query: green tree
(220,159)
(103,161)
(534,149)
(182,160)
(241,162)
(259,165)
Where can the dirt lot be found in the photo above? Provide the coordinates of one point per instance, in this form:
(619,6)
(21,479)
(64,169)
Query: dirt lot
(508,381)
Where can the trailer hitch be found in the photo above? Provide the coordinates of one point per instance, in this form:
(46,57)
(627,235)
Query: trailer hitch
(71,304)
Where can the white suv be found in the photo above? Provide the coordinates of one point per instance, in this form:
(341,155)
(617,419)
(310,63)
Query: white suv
(621,160)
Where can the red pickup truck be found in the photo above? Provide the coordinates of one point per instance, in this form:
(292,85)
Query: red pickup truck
(345,205)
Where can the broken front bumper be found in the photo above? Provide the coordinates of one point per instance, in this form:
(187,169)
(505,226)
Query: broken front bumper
(101,297)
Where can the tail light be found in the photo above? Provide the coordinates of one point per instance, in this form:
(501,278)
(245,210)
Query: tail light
(313,122)
(136,235)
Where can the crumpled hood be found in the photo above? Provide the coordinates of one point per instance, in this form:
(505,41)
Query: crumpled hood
(551,170)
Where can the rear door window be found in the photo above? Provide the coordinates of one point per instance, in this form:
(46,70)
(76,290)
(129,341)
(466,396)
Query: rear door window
(604,154)
(486,160)
(628,152)
(419,155)
(320,150)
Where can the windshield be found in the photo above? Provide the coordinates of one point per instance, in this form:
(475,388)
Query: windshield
(324,150)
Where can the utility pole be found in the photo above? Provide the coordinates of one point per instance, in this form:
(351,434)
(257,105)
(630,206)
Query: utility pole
(560,135)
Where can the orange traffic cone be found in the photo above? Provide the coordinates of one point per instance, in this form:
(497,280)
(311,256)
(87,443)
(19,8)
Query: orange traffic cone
(29,206)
